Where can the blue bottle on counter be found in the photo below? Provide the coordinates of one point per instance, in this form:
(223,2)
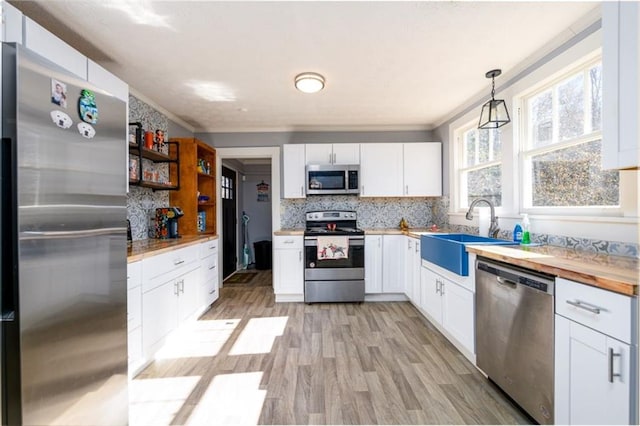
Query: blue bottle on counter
(517,233)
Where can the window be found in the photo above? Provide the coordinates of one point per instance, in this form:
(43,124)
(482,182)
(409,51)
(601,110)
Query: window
(561,144)
(480,174)
(227,188)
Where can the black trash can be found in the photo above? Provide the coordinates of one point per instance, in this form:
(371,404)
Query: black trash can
(262,253)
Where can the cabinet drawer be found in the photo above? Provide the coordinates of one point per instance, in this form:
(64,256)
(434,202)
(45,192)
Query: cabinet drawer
(602,310)
(134,343)
(208,248)
(134,275)
(166,264)
(210,268)
(288,242)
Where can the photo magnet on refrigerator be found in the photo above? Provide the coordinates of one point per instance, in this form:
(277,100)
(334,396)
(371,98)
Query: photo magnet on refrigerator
(61,119)
(87,107)
(86,130)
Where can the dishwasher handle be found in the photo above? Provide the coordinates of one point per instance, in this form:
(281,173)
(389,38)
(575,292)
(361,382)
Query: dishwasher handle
(505,282)
(510,276)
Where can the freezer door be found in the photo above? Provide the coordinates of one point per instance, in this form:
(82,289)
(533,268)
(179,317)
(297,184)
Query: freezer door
(71,211)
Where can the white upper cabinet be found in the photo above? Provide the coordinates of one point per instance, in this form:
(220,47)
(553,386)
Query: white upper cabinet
(401,169)
(11,23)
(293,164)
(49,46)
(620,85)
(381,170)
(107,81)
(326,153)
(422,169)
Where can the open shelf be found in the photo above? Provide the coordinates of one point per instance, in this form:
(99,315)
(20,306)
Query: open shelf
(172,159)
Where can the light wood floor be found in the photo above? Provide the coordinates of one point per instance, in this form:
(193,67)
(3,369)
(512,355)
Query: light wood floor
(250,360)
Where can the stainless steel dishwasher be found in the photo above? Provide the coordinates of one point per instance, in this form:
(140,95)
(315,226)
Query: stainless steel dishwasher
(514,334)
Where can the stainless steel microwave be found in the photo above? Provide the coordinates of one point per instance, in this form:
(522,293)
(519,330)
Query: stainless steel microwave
(325,179)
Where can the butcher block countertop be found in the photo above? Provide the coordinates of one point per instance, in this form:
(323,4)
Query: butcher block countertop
(140,249)
(614,273)
(289,232)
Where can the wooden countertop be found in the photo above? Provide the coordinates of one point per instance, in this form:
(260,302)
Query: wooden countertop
(289,232)
(615,273)
(140,249)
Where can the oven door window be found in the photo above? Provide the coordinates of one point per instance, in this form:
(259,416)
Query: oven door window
(355,258)
(327,180)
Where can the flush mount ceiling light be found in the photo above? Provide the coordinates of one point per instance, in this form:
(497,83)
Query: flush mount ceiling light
(494,113)
(309,82)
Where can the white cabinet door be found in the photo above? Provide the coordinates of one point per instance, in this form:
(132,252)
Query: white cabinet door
(430,299)
(381,170)
(189,294)
(346,153)
(417,265)
(620,85)
(107,81)
(288,265)
(373,264)
(422,175)
(587,390)
(159,315)
(409,259)
(293,164)
(49,46)
(458,315)
(318,153)
(11,24)
(393,267)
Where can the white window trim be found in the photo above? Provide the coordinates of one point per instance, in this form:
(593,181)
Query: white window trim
(622,227)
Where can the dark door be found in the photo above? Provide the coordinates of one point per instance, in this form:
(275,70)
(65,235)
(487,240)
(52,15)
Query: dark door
(229,244)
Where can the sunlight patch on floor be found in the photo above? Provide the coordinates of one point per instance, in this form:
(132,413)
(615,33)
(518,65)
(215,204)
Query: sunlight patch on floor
(230,399)
(155,402)
(258,335)
(198,339)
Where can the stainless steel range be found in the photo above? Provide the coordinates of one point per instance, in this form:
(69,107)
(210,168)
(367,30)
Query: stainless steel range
(333,257)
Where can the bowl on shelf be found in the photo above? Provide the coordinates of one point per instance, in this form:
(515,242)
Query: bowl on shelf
(203,198)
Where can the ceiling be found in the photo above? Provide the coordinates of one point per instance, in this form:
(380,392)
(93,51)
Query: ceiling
(229,66)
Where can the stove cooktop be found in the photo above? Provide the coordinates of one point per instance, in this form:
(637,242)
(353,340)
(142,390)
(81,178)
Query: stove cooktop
(338,231)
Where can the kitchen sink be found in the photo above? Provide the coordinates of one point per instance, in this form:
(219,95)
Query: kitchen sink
(448,250)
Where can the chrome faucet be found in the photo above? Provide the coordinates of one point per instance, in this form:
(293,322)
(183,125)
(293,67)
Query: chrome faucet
(493,229)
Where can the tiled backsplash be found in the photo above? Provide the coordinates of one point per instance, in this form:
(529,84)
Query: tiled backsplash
(423,212)
(141,200)
(372,212)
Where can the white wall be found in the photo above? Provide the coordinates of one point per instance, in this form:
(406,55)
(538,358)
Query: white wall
(258,211)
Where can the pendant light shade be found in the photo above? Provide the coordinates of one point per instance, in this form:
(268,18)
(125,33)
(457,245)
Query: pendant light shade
(494,113)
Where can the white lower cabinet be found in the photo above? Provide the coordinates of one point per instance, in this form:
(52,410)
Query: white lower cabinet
(288,268)
(372,264)
(393,267)
(209,283)
(412,270)
(594,377)
(134,315)
(450,306)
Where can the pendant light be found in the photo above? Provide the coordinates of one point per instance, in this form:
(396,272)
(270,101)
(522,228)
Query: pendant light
(494,113)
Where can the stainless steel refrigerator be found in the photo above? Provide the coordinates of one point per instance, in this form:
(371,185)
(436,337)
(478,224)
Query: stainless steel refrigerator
(63,247)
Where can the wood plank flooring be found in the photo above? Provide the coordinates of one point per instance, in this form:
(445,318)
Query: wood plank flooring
(370,363)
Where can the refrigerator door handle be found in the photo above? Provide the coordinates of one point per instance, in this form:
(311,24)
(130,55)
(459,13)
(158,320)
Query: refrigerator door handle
(8,224)
(69,234)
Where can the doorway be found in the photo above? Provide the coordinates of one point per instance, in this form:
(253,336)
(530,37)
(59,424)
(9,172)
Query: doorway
(228,193)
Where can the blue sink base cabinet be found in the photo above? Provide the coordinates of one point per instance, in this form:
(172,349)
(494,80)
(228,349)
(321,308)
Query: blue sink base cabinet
(449,250)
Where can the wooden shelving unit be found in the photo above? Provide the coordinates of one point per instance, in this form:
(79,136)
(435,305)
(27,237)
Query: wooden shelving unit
(194,182)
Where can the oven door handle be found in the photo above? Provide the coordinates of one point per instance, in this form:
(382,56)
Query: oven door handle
(313,242)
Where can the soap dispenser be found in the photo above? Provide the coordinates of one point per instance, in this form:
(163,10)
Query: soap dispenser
(526,237)
(517,233)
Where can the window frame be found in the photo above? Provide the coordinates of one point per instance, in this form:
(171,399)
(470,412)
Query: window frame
(525,150)
(461,197)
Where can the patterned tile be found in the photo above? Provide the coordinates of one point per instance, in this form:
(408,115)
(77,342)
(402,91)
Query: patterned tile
(141,201)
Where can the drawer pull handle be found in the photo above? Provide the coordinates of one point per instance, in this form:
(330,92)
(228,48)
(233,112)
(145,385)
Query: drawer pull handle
(582,305)
(288,241)
(212,291)
(178,262)
(611,373)
(212,267)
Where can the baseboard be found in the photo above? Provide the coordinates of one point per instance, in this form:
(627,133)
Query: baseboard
(385,297)
(288,298)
